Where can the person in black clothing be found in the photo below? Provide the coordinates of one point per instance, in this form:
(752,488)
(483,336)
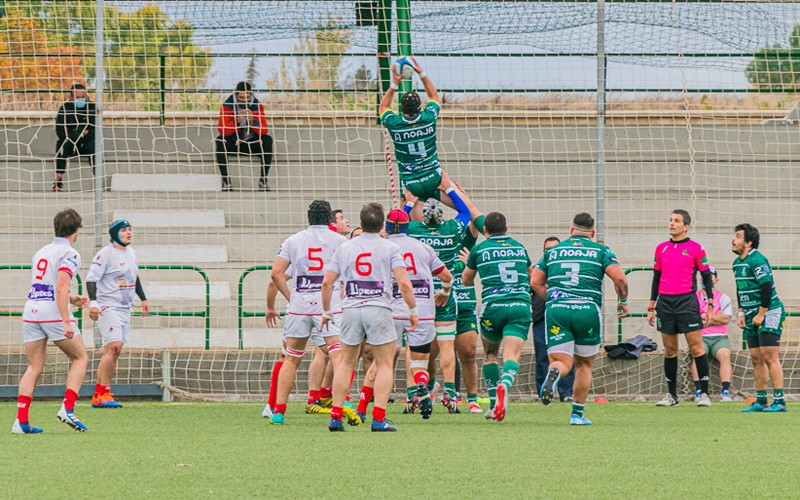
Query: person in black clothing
(243,129)
(75,130)
(540,341)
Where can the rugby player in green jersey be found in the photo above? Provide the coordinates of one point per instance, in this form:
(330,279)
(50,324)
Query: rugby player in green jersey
(505,270)
(413,132)
(455,322)
(570,278)
(761,317)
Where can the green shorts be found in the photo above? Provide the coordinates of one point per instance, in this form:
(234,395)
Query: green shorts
(446,314)
(713,343)
(466,321)
(425,186)
(505,319)
(774,320)
(573,328)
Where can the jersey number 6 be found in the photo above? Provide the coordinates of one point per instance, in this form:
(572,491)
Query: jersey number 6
(363,266)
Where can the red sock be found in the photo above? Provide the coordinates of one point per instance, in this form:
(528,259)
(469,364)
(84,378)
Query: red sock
(280,409)
(326,392)
(273,384)
(70,397)
(98,389)
(378,414)
(421,377)
(366,397)
(23,406)
(313,396)
(337,412)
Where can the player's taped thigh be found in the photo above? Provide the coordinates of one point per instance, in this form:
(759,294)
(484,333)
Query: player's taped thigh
(336,346)
(295,353)
(446,331)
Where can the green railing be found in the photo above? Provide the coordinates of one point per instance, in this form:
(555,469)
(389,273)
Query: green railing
(644,314)
(27,267)
(248,314)
(205,313)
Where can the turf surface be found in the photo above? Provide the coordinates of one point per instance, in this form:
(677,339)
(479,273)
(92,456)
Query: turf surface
(633,450)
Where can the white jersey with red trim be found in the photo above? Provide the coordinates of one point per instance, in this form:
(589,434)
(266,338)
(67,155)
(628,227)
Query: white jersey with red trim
(365,265)
(47,262)
(421,265)
(115,271)
(308,252)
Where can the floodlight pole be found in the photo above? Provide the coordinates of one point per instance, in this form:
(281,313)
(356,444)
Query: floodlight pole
(98,129)
(600,180)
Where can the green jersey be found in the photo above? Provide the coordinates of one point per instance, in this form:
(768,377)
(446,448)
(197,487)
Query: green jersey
(502,264)
(414,141)
(575,269)
(465,295)
(445,239)
(751,272)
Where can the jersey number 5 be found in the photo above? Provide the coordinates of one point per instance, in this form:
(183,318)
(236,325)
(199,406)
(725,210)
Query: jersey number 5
(363,266)
(41,266)
(315,260)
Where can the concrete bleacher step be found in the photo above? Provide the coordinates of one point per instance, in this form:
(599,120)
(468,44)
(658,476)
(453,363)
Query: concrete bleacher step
(172,218)
(165,182)
(177,254)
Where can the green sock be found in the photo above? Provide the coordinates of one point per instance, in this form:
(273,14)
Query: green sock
(491,372)
(510,369)
(431,384)
(777,395)
(472,398)
(411,391)
(577,409)
(450,389)
(761,397)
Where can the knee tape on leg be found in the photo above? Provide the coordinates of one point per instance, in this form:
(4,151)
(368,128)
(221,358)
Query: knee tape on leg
(334,347)
(283,350)
(420,364)
(294,352)
(423,349)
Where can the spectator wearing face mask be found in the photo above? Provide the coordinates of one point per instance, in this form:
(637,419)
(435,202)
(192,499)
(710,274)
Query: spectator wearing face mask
(75,124)
(243,130)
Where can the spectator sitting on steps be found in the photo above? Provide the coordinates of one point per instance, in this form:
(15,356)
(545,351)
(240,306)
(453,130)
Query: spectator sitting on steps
(243,130)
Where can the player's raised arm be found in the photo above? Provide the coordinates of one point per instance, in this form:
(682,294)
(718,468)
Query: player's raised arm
(430,89)
(388,97)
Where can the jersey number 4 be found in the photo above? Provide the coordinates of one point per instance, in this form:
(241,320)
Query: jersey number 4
(417,149)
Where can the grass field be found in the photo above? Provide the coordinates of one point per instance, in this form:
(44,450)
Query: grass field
(633,450)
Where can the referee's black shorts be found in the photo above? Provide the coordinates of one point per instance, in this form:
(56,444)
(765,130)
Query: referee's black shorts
(678,314)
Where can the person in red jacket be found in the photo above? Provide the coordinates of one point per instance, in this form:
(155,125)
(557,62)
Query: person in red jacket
(243,130)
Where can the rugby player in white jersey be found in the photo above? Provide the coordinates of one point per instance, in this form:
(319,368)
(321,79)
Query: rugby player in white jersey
(47,316)
(112,281)
(308,252)
(366,265)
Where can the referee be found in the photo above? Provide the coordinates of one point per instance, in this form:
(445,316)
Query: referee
(673,305)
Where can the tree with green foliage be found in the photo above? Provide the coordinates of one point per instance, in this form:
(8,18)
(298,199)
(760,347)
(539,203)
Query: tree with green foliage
(776,67)
(134,41)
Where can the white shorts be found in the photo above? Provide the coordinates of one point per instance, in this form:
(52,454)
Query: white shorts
(425,333)
(302,327)
(114,325)
(53,331)
(373,322)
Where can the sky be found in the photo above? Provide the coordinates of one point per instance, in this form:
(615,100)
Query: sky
(458,28)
